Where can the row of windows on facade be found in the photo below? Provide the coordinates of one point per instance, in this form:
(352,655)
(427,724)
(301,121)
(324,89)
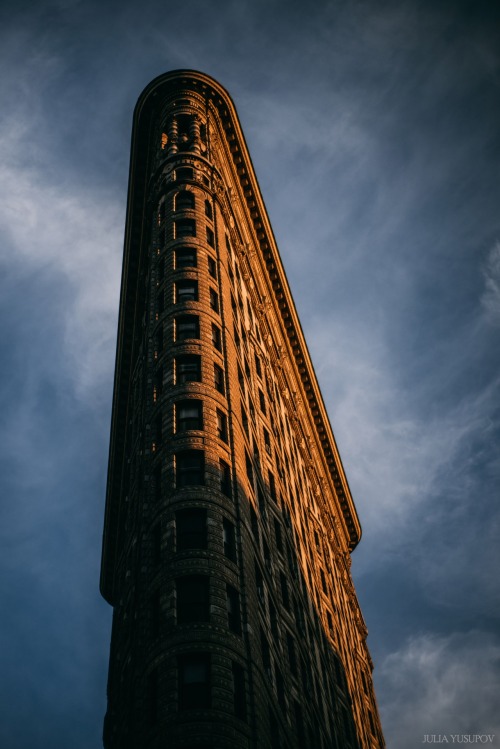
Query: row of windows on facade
(187,327)
(185,258)
(183,200)
(187,368)
(188,415)
(184,228)
(190,471)
(195,686)
(186,291)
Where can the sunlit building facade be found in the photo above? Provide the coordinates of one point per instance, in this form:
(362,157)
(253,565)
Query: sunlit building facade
(229,521)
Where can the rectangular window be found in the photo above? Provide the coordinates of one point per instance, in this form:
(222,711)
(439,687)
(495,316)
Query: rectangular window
(258,367)
(186,327)
(249,468)
(187,368)
(229,539)
(292,657)
(272,486)
(191,529)
(323,581)
(184,199)
(193,599)
(208,209)
(184,172)
(219,379)
(184,227)
(267,441)
(265,652)
(225,478)
(194,681)
(188,415)
(259,582)
(216,337)
(210,237)
(186,291)
(212,267)
(240,707)
(284,592)
(233,609)
(214,300)
(278,536)
(262,402)
(190,468)
(152,692)
(185,257)
(222,426)
(244,420)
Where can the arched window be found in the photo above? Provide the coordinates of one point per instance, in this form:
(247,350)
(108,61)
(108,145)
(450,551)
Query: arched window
(184,199)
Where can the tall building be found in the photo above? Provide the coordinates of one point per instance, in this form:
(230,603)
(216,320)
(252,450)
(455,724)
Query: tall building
(229,521)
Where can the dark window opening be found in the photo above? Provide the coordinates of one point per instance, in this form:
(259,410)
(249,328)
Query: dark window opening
(184,227)
(187,327)
(185,257)
(194,681)
(240,708)
(229,539)
(186,291)
(216,337)
(212,267)
(188,415)
(184,172)
(190,468)
(222,426)
(219,379)
(187,368)
(225,478)
(191,529)
(208,210)
(214,300)
(210,237)
(193,599)
(184,199)
(233,609)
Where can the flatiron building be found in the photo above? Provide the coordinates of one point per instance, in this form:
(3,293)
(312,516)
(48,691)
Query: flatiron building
(229,521)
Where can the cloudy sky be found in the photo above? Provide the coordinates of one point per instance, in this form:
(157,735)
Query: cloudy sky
(374,128)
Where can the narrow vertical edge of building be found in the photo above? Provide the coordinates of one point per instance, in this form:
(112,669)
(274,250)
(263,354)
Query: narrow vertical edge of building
(229,521)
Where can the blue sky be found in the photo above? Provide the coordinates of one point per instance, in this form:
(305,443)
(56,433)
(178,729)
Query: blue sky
(374,129)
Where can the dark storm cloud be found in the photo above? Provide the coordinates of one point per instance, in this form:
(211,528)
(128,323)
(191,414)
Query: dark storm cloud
(374,130)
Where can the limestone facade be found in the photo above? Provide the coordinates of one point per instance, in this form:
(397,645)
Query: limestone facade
(229,520)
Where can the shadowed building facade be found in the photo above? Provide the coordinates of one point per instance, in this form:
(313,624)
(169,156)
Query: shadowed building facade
(229,521)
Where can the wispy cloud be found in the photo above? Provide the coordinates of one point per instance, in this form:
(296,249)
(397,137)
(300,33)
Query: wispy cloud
(440,685)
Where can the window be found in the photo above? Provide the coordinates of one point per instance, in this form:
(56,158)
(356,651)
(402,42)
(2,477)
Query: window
(249,468)
(233,609)
(193,599)
(323,581)
(191,529)
(184,172)
(184,227)
(292,657)
(158,343)
(160,304)
(155,613)
(259,582)
(284,592)
(184,199)
(214,300)
(210,237)
(185,257)
(152,692)
(222,426)
(262,402)
(190,468)
(265,652)
(278,536)
(244,420)
(240,708)
(186,327)
(186,291)
(187,369)
(208,210)
(216,337)
(212,267)
(188,415)
(156,544)
(229,539)
(267,441)
(225,478)
(272,486)
(258,367)
(194,681)
(254,523)
(219,379)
